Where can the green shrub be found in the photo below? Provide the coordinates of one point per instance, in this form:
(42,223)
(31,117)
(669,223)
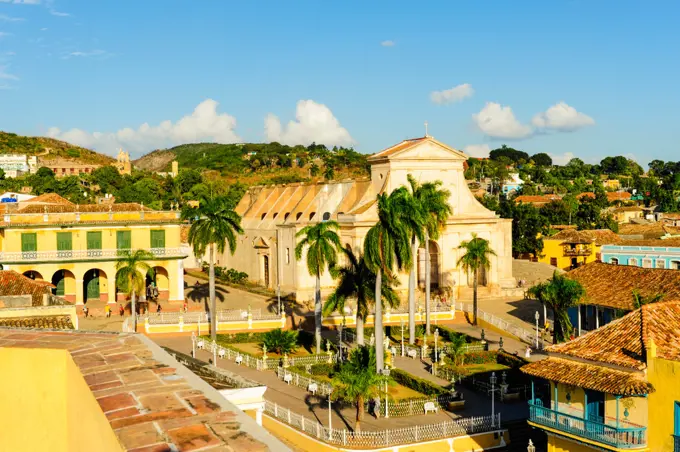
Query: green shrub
(239,338)
(322,369)
(481,357)
(417,384)
(449,334)
(280,341)
(511,361)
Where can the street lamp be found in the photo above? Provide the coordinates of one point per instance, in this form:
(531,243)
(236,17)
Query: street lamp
(402,337)
(537,316)
(386,374)
(340,341)
(493,380)
(330,425)
(531,447)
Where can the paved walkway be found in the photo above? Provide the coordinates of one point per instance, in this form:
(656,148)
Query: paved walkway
(302,402)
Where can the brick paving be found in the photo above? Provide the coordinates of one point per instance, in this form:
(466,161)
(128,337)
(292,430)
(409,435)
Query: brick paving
(150,405)
(302,402)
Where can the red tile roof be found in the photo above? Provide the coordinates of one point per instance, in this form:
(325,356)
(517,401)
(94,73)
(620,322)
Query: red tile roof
(597,236)
(623,341)
(49,198)
(14,284)
(54,322)
(611,195)
(588,376)
(536,199)
(612,285)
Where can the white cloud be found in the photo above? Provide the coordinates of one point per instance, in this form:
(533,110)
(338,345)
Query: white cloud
(561,159)
(54,12)
(450,96)
(205,124)
(22,2)
(388,43)
(4,34)
(6,18)
(4,75)
(498,121)
(477,150)
(85,54)
(313,123)
(43,29)
(10,53)
(562,117)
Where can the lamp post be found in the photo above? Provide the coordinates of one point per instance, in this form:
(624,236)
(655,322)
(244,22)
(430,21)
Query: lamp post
(330,425)
(402,337)
(492,380)
(537,316)
(340,342)
(531,447)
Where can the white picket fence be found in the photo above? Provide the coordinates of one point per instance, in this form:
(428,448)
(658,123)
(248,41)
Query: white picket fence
(527,336)
(163,318)
(383,438)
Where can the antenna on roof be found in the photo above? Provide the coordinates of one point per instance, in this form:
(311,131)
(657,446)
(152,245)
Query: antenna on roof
(426,129)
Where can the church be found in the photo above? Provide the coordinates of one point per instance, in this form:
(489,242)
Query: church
(272,215)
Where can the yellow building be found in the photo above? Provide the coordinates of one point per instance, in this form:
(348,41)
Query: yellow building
(615,388)
(75,247)
(627,214)
(611,184)
(570,248)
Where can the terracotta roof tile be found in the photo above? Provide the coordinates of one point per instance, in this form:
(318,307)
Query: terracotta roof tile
(55,322)
(13,284)
(398,147)
(611,195)
(597,236)
(667,243)
(623,341)
(612,285)
(48,198)
(537,199)
(84,208)
(588,376)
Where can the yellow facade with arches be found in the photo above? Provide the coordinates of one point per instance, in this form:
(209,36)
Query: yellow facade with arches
(76,248)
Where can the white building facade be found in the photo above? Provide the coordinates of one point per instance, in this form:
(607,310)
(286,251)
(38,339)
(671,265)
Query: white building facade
(273,215)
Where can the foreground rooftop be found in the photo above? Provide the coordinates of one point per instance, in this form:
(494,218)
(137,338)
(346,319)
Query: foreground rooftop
(151,402)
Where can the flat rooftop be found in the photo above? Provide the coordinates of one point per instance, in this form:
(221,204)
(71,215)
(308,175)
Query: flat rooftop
(151,402)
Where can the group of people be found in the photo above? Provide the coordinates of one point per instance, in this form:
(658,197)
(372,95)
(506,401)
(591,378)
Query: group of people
(107,310)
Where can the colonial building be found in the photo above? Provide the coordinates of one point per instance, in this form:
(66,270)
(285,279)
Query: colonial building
(609,291)
(75,247)
(615,388)
(569,248)
(273,215)
(652,253)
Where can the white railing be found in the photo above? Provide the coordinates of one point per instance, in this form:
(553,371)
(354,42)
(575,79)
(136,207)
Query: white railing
(30,256)
(523,334)
(383,438)
(303,381)
(168,318)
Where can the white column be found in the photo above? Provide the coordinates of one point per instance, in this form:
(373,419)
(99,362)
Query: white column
(578,310)
(597,317)
(258,416)
(180,280)
(79,292)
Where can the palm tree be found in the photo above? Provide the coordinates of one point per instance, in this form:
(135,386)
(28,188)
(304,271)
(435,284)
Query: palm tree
(640,300)
(322,244)
(358,281)
(559,293)
(476,257)
(433,202)
(214,224)
(457,348)
(386,244)
(357,381)
(131,271)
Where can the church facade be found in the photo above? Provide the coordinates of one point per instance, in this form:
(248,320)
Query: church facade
(272,215)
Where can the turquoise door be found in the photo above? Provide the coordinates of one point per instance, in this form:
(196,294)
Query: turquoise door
(677,419)
(595,408)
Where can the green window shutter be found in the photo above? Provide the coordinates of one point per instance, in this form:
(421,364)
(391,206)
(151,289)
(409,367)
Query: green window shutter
(64,241)
(94,240)
(29,242)
(158,238)
(124,240)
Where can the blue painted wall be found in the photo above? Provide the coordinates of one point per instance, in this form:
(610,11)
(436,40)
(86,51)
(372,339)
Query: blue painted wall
(652,256)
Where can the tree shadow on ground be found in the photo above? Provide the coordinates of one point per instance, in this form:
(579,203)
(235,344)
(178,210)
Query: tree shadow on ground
(201,293)
(292,308)
(315,402)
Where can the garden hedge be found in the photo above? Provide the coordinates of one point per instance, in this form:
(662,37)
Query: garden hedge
(417,384)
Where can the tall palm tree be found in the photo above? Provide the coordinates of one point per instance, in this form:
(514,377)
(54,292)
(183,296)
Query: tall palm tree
(433,202)
(322,244)
(357,281)
(559,293)
(386,244)
(476,257)
(214,225)
(131,271)
(357,381)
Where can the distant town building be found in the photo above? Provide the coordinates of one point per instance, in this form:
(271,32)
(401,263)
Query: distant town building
(11,197)
(123,164)
(626,214)
(174,170)
(18,165)
(65,168)
(513,185)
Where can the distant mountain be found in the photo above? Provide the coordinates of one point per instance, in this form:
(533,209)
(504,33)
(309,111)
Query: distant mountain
(49,149)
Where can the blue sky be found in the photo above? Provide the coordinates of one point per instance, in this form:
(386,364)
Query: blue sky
(581,78)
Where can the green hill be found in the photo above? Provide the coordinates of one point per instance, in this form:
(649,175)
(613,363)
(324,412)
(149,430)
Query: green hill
(260,163)
(49,149)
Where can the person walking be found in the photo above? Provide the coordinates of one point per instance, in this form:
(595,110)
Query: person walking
(121,310)
(376,407)
(107,310)
(85,311)
(186,306)
(158,308)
